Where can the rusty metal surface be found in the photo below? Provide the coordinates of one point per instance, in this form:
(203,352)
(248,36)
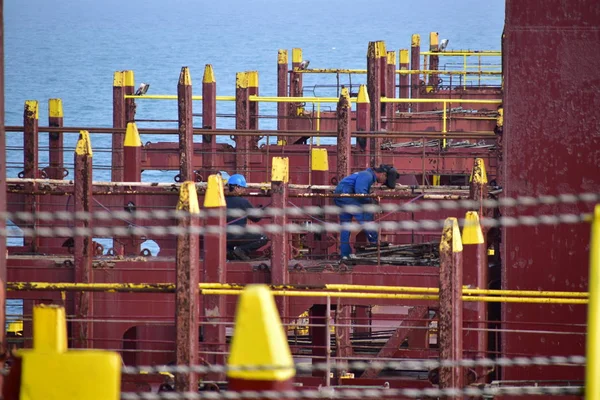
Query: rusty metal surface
(282,84)
(395,341)
(186,132)
(374,88)
(213,308)
(83,250)
(551,146)
(415,84)
(279,244)
(118,136)
(209,121)
(31,166)
(450,312)
(56,158)
(186,300)
(344,146)
(242,122)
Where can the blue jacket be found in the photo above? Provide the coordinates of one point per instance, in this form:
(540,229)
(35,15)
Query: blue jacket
(357,183)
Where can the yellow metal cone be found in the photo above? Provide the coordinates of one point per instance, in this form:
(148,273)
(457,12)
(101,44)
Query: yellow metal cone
(259,338)
(472,233)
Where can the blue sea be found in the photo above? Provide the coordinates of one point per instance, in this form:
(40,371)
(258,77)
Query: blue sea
(70,49)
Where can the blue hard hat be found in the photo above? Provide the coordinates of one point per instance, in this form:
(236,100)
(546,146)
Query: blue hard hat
(237,179)
(225,176)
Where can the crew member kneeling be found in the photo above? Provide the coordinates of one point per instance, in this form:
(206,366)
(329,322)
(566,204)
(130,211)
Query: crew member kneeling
(240,245)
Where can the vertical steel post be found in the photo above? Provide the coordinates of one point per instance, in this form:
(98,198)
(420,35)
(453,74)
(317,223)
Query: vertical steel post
(55,120)
(214,257)
(344,146)
(253,105)
(592,368)
(317,330)
(404,92)
(119,123)
(279,240)
(253,109)
(31,166)
(390,90)
(363,124)
(132,152)
(3,255)
(415,65)
(451,308)
(282,90)
(295,109)
(242,122)
(320,176)
(84,249)
(129,89)
(478,191)
(475,275)
(434,61)
(186,295)
(209,119)
(375,89)
(186,128)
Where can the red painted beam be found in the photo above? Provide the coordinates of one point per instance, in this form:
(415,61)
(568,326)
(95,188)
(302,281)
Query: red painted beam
(282,85)
(186,296)
(31,165)
(118,122)
(209,121)
(343,137)
(83,246)
(375,89)
(242,122)
(397,338)
(186,120)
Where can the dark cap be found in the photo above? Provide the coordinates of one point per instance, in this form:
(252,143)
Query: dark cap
(392,177)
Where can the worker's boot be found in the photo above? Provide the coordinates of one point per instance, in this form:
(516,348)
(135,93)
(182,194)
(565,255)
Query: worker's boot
(240,254)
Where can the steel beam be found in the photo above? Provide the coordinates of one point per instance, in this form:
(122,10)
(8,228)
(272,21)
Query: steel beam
(186,132)
(451,307)
(214,269)
(363,124)
(31,166)
(375,88)
(282,85)
(83,244)
(118,122)
(395,341)
(280,244)
(209,121)
(404,92)
(242,122)
(186,296)
(415,64)
(344,145)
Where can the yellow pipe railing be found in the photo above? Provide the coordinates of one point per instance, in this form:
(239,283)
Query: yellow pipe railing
(173,97)
(592,368)
(355,295)
(463,53)
(330,290)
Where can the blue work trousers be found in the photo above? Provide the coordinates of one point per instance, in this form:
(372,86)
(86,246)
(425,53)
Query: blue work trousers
(345,249)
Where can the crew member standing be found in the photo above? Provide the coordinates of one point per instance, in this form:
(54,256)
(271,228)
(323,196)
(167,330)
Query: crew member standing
(240,245)
(361,183)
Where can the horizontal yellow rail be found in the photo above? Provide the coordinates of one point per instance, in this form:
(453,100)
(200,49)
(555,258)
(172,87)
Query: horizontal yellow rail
(401,71)
(466,101)
(462,53)
(274,99)
(444,72)
(331,290)
(355,295)
(173,97)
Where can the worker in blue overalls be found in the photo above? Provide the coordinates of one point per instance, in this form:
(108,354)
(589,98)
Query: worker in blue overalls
(361,183)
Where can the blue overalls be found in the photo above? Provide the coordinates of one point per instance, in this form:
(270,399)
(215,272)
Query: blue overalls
(357,183)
